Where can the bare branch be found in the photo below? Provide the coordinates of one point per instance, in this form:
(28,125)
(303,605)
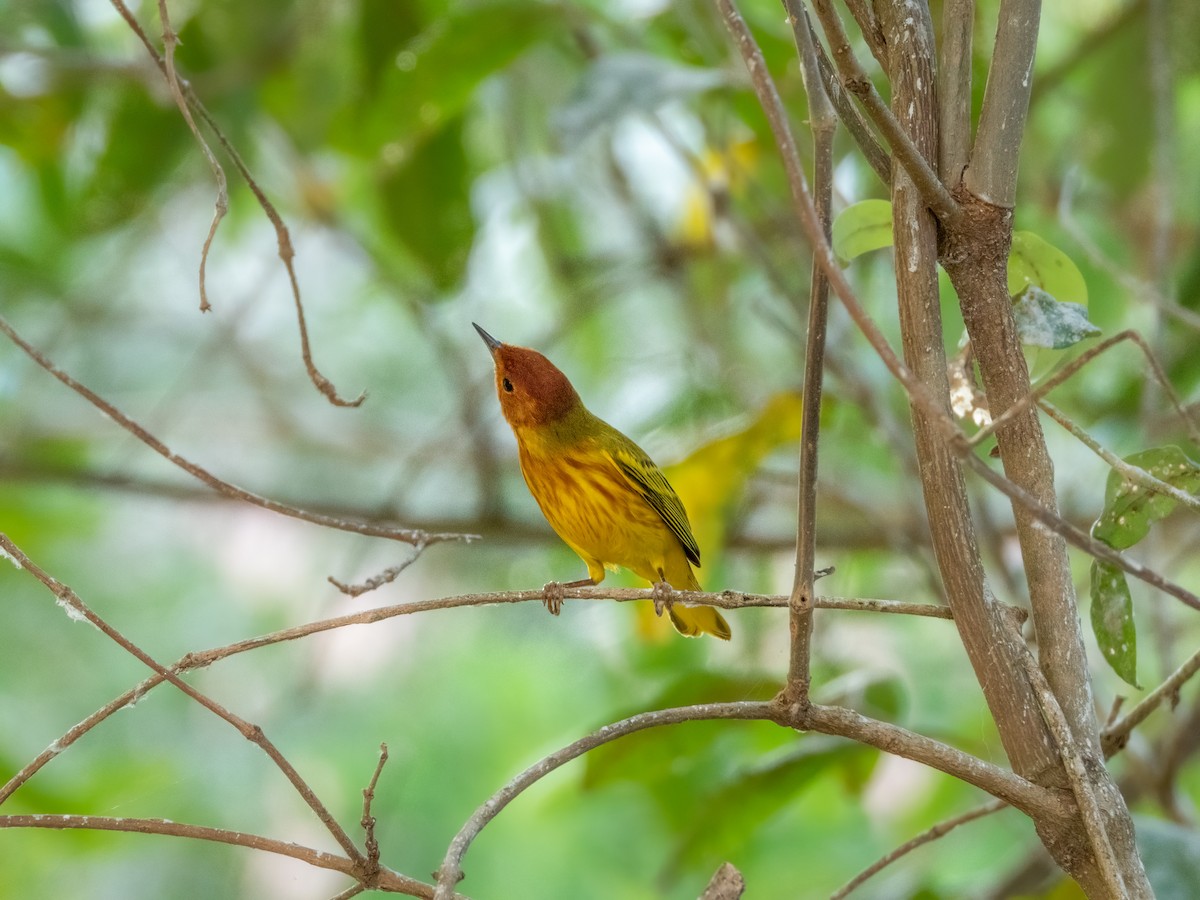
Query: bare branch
(954,89)
(370,869)
(170,40)
(941,829)
(824,125)
(450,872)
(1116,736)
(282,236)
(872,33)
(1060,526)
(1082,785)
(1045,387)
(404,535)
(992,172)
(805,209)
(1135,474)
(387,576)
(727,883)
(849,114)
(75,607)
(857,82)
(388,879)
(831,720)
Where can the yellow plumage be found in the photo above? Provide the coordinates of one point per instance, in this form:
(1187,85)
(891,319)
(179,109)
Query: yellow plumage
(598,490)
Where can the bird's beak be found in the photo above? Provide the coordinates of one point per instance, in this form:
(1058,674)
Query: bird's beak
(492,343)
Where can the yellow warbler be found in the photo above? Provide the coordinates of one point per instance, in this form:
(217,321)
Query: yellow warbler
(598,489)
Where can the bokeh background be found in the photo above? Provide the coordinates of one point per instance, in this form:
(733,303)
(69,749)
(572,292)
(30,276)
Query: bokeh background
(593,179)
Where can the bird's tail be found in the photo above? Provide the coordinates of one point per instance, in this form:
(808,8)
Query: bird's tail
(697,620)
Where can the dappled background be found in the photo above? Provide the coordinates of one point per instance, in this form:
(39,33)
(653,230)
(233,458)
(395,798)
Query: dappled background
(593,179)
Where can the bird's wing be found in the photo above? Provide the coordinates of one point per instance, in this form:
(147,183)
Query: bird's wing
(648,480)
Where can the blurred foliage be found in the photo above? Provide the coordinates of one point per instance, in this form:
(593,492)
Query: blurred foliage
(596,180)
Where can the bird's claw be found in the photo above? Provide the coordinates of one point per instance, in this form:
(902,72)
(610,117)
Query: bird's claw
(553,594)
(663,596)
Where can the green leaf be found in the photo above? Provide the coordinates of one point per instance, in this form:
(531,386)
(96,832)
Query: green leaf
(1169,852)
(861,228)
(1130,509)
(433,77)
(733,814)
(1112,620)
(426,204)
(1034,261)
(1043,321)
(621,83)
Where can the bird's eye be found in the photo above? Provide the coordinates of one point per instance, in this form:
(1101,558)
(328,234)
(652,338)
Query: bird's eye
(507,385)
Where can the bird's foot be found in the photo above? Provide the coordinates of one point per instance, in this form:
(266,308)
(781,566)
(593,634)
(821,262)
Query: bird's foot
(663,596)
(553,594)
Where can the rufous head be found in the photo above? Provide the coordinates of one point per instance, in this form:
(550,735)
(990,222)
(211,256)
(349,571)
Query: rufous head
(532,390)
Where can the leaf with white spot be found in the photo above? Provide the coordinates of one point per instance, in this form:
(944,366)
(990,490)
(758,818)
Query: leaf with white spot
(1112,620)
(1130,509)
(1043,321)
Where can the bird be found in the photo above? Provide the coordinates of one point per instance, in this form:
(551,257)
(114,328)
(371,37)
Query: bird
(599,490)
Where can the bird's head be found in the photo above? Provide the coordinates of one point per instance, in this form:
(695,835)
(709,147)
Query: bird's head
(532,390)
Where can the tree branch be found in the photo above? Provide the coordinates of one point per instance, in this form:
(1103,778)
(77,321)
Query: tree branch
(76,608)
(832,720)
(388,880)
(284,239)
(941,829)
(450,872)
(857,82)
(1117,735)
(824,124)
(404,535)
(1084,789)
(170,40)
(954,89)
(992,171)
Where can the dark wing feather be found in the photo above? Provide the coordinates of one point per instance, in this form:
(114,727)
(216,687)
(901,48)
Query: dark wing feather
(654,488)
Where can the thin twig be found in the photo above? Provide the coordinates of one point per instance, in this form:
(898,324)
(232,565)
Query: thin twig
(857,82)
(371,866)
(1077,777)
(941,829)
(1135,474)
(872,31)
(170,41)
(403,535)
(387,576)
(388,879)
(1115,736)
(1045,387)
(805,210)
(75,607)
(850,115)
(283,238)
(1060,526)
